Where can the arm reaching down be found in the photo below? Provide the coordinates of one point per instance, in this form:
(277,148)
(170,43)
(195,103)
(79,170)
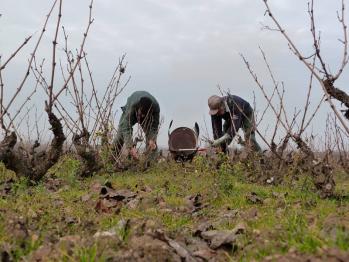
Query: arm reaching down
(225,138)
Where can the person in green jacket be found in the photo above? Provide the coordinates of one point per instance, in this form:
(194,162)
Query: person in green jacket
(141,108)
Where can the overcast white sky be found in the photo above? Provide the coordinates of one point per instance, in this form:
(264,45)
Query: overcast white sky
(179,50)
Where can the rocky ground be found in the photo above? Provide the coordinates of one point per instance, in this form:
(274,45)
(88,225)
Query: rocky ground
(171,212)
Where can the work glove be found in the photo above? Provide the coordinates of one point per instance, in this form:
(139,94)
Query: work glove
(220,140)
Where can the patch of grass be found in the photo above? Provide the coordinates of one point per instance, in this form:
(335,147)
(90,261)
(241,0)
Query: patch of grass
(174,201)
(341,239)
(2,229)
(6,174)
(20,186)
(175,223)
(298,233)
(67,168)
(87,254)
(25,247)
(292,215)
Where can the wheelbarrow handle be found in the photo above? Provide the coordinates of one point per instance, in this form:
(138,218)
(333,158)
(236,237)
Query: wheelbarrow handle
(169,128)
(191,149)
(197,129)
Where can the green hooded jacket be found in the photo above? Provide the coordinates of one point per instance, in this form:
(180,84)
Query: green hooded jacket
(129,118)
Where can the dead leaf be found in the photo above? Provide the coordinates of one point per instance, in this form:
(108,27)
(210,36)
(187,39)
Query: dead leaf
(6,187)
(254,198)
(279,195)
(19,228)
(194,203)
(96,187)
(205,254)
(108,233)
(86,198)
(120,195)
(106,206)
(133,203)
(180,250)
(70,220)
(219,238)
(112,200)
(224,237)
(230,214)
(160,202)
(240,228)
(337,254)
(122,226)
(226,217)
(250,214)
(205,226)
(146,188)
(148,248)
(32,214)
(53,184)
(69,242)
(42,253)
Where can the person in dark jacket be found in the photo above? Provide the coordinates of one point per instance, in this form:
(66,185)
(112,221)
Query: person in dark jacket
(236,113)
(142,108)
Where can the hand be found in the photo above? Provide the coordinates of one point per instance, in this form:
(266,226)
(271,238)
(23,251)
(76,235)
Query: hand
(224,139)
(152,145)
(215,143)
(133,153)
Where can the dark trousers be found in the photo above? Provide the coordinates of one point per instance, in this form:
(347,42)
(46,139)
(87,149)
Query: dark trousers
(249,128)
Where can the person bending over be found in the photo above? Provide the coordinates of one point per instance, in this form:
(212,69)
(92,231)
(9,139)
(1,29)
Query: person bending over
(141,108)
(236,113)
